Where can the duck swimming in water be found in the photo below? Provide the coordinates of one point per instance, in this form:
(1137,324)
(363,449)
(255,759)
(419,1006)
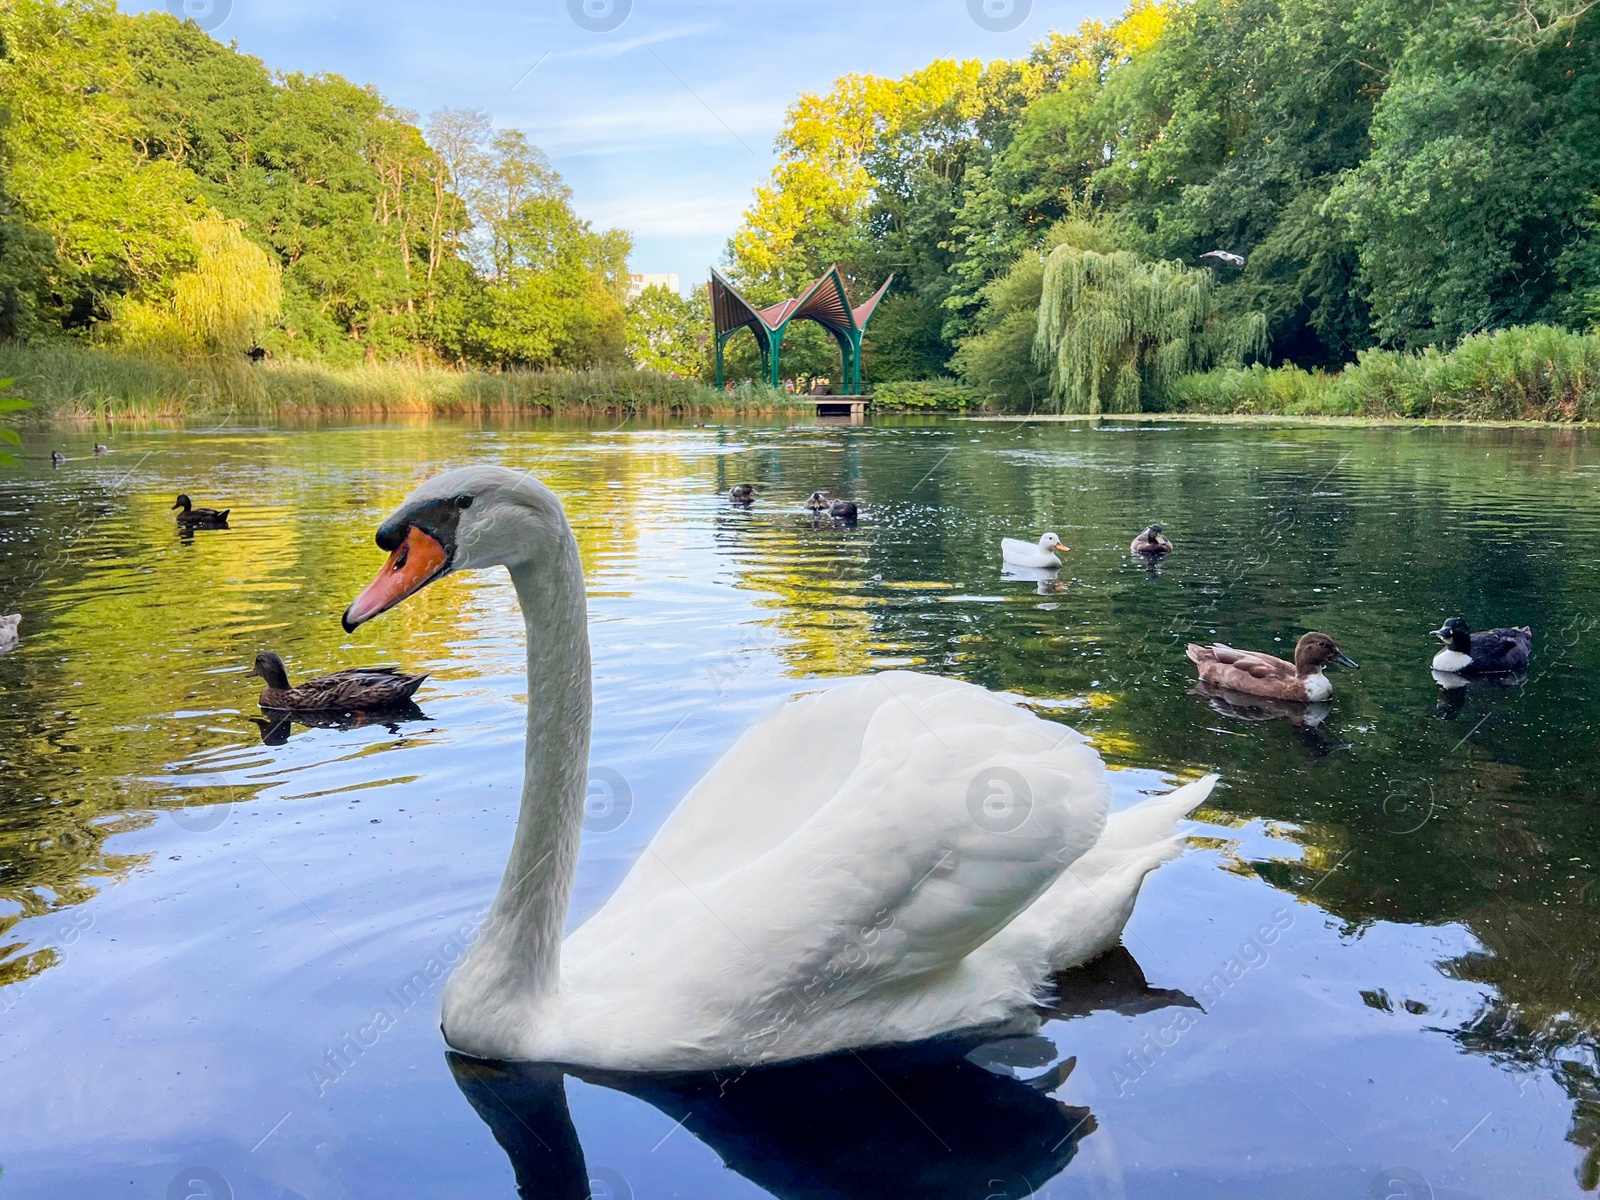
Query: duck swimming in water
(57,458)
(200,518)
(844,510)
(362,689)
(1492,652)
(8,632)
(1016,553)
(742,493)
(100,449)
(1267,675)
(1150,543)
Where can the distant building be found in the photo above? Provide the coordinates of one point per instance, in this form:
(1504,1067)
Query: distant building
(638,282)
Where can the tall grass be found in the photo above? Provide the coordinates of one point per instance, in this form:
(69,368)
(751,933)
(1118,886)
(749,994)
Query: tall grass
(1526,373)
(67,382)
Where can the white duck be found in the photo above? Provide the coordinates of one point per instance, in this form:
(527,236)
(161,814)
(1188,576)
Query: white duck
(1028,554)
(895,858)
(9,637)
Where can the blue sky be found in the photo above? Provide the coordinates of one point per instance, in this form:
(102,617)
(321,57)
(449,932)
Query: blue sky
(663,125)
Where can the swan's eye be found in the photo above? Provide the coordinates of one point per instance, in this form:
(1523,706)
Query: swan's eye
(463,501)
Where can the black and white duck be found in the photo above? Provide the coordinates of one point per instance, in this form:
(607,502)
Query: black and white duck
(1491,652)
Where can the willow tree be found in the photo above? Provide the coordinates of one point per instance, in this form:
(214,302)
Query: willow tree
(1115,329)
(221,306)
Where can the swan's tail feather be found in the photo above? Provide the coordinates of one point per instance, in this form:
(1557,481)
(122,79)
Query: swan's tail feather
(1084,911)
(1136,841)
(1149,830)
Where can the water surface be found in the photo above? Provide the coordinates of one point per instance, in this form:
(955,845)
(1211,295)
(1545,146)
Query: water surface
(1372,974)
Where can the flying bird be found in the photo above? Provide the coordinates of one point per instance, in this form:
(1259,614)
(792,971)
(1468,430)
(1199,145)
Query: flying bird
(1227,256)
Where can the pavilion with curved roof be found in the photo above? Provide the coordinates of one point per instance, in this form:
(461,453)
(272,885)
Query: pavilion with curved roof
(824,302)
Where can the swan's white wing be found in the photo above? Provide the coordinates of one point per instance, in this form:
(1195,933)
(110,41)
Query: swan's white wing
(857,839)
(770,782)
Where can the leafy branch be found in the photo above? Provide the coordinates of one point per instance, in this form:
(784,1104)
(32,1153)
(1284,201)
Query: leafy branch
(1530,26)
(9,404)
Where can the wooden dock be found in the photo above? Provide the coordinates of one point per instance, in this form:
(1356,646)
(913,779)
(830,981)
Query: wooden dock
(851,408)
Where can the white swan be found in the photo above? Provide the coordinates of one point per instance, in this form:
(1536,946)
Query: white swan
(895,858)
(1029,554)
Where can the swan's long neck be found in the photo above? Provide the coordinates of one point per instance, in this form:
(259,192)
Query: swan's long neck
(516,960)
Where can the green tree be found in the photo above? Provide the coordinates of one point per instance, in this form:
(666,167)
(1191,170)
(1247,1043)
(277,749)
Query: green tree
(1230,131)
(1114,329)
(997,358)
(223,306)
(1475,209)
(668,332)
(114,219)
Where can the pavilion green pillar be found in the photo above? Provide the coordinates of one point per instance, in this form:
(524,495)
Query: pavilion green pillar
(849,363)
(775,366)
(720,343)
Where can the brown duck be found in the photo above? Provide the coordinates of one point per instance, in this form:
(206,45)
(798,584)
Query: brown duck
(361,689)
(200,518)
(1266,675)
(844,510)
(1151,542)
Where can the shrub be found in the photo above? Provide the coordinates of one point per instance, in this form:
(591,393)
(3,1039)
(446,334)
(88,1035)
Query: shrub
(1527,372)
(925,395)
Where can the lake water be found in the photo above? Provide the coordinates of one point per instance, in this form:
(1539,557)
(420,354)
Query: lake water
(1373,973)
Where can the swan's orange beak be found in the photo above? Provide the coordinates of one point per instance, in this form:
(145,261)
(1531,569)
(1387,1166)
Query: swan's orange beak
(418,562)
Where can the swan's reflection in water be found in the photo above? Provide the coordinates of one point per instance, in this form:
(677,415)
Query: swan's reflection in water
(910,1121)
(940,1120)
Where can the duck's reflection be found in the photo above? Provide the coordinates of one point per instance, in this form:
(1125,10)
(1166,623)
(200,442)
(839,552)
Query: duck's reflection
(1246,706)
(1152,564)
(278,724)
(1454,689)
(938,1120)
(1306,718)
(1047,581)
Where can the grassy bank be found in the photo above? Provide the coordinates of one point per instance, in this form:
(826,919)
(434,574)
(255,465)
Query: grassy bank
(1531,373)
(1528,373)
(70,383)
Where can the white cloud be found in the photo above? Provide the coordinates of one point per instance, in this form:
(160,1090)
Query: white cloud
(650,121)
(610,49)
(716,214)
